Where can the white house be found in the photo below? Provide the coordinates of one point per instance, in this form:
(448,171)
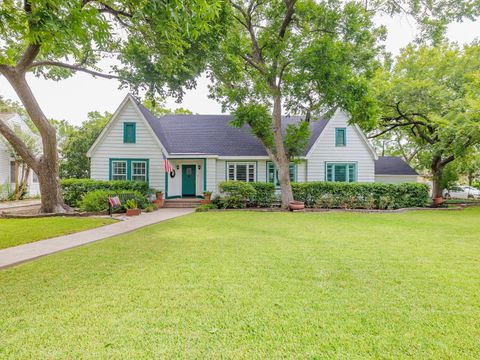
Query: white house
(205,150)
(7,163)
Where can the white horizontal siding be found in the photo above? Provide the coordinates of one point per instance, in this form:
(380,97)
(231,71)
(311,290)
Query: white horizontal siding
(355,151)
(4,164)
(396,179)
(211,175)
(112,146)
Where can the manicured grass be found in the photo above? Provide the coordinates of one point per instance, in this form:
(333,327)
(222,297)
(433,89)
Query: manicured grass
(256,285)
(15,232)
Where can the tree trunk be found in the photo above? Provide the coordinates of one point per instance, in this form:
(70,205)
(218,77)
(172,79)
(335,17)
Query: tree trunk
(280,159)
(46,167)
(437,172)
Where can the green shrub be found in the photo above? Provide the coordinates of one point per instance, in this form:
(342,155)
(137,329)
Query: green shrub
(74,189)
(361,195)
(131,204)
(236,194)
(205,207)
(264,194)
(150,208)
(97,200)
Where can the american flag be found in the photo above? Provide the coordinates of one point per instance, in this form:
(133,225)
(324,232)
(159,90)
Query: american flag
(166,165)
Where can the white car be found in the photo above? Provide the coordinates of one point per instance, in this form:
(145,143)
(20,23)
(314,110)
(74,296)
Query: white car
(462,192)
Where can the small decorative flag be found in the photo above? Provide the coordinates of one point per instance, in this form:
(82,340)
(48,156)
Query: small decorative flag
(166,165)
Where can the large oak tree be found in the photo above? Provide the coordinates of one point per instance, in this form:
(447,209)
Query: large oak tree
(56,38)
(302,57)
(432,97)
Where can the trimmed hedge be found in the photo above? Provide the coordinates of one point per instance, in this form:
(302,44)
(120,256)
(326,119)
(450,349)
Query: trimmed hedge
(235,194)
(97,200)
(361,195)
(74,189)
(264,194)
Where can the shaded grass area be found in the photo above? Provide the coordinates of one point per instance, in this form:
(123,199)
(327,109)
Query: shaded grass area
(256,285)
(15,232)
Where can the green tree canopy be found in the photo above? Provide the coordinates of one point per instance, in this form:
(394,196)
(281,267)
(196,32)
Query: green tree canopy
(432,95)
(157,46)
(74,161)
(294,57)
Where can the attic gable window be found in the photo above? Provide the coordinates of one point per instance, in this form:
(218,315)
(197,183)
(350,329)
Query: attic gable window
(340,137)
(129,132)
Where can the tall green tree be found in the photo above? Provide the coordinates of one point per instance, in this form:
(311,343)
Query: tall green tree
(300,57)
(74,161)
(432,95)
(56,38)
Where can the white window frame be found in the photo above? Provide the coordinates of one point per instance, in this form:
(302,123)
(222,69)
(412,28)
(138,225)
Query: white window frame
(247,164)
(113,169)
(132,174)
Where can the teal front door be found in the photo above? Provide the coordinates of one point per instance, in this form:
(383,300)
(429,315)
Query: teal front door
(188,180)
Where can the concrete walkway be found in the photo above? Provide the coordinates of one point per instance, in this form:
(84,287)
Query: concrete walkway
(18,254)
(11,205)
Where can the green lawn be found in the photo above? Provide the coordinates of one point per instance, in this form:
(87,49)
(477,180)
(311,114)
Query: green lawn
(15,232)
(256,285)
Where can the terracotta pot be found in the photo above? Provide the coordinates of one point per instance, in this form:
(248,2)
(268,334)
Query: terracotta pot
(158,203)
(133,212)
(159,195)
(207,197)
(296,205)
(438,200)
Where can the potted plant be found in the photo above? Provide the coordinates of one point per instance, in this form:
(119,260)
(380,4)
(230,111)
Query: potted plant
(438,201)
(132,208)
(296,205)
(207,195)
(159,195)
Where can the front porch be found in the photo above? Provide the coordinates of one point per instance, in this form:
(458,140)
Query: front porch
(187,180)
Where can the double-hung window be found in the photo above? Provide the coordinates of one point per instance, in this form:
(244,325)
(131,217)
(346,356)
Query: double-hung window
(129,132)
(119,170)
(129,169)
(272,173)
(241,171)
(139,171)
(341,172)
(340,137)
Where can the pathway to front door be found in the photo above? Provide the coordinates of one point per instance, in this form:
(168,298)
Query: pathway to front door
(188,180)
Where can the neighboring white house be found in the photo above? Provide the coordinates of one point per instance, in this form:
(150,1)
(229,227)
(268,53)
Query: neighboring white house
(7,163)
(205,150)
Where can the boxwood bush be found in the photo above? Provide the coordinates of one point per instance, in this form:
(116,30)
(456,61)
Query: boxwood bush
(235,194)
(97,200)
(361,195)
(74,189)
(264,194)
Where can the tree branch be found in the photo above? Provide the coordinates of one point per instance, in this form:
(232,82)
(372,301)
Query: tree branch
(28,56)
(74,67)
(19,146)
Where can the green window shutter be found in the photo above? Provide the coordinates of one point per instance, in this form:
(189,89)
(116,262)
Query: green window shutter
(329,172)
(291,170)
(352,173)
(340,137)
(129,132)
(271,173)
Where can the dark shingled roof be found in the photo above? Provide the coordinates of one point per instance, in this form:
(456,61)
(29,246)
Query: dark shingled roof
(212,134)
(392,165)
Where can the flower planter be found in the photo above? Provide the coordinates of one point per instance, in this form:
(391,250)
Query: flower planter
(438,201)
(133,212)
(159,195)
(158,203)
(296,205)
